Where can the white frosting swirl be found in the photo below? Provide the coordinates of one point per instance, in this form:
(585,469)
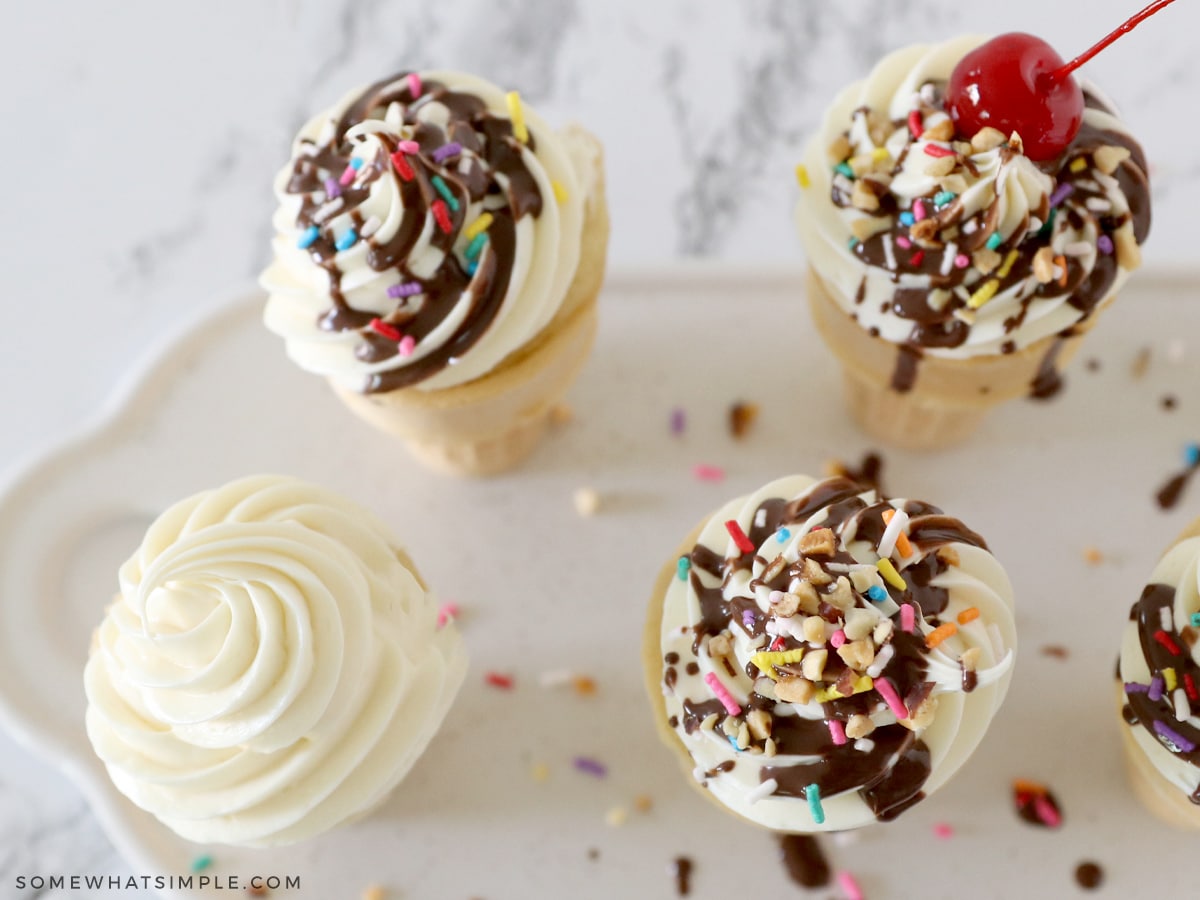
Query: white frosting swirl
(546,248)
(1002,189)
(271,667)
(1178,569)
(976,581)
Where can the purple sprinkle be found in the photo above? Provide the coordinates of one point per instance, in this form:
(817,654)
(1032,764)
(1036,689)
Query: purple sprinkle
(406,289)
(1156,688)
(1061,193)
(590,766)
(332,188)
(678,421)
(1132,687)
(1182,744)
(1104,244)
(747,619)
(444,152)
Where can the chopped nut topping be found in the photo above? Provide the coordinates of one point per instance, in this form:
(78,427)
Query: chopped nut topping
(795,690)
(864,198)
(985,260)
(859,623)
(883,631)
(769,748)
(987,138)
(710,722)
(1129,254)
(813,665)
(840,148)
(954,183)
(1043,265)
(970,658)
(759,722)
(821,542)
(879,127)
(942,130)
(719,646)
(743,737)
(842,596)
(814,630)
(862,579)
(765,687)
(1108,158)
(923,716)
(810,600)
(859,726)
(730,725)
(814,574)
(925,230)
(940,166)
(866,227)
(772,571)
(948,556)
(785,605)
(858,655)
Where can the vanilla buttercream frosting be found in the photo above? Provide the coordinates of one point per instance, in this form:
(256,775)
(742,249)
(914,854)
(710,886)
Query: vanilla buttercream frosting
(271,667)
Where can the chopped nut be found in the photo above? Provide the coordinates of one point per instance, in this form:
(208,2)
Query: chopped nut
(772,571)
(883,631)
(858,655)
(954,183)
(814,630)
(743,736)
(970,658)
(861,164)
(1043,265)
(866,227)
(730,725)
(963,148)
(765,687)
(759,723)
(941,130)
(813,665)
(785,605)
(879,127)
(1129,254)
(840,148)
(820,542)
(709,723)
(814,574)
(925,230)
(864,198)
(587,501)
(1093,555)
(1014,141)
(561,414)
(948,556)
(985,260)
(810,600)
(1107,158)
(769,748)
(845,683)
(859,623)
(858,726)
(719,646)
(940,166)
(923,716)
(643,803)
(862,579)
(741,417)
(987,138)
(795,690)
(842,596)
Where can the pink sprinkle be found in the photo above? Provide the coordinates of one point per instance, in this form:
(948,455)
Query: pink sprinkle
(347,176)
(447,612)
(837,732)
(943,831)
(408,147)
(962,260)
(888,692)
(918,210)
(407,344)
(705,472)
(849,886)
(1046,811)
(414,85)
(837,638)
(726,698)
(908,618)
(903,243)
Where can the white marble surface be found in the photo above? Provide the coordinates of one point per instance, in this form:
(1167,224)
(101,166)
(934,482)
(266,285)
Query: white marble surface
(140,139)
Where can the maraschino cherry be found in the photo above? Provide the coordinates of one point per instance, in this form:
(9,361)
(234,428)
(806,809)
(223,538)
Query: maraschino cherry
(1017,82)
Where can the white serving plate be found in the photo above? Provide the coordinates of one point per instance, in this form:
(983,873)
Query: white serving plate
(543,589)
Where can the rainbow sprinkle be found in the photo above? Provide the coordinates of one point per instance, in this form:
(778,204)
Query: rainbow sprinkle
(802,176)
(682,567)
(1165,639)
(349,172)
(1155,692)
(442,215)
(200,863)
(590,766)
(722,693)
(984,294)
(407,345)
(742,542)
(408,146)
(705,472)
(1169,678)
(915,124)
(479,226)
(908,618)
(309,237)
(878,594)
(439,185)
(938,151)
(970,614)
(404,289)
(907,218)
(939,634)
(561,194)
(447,612)
(414,85)
(919,210)
(836,731)
(1181,744)
(517,114)
(1104,244)
(1195,620)
(444,152)
(1078,164)
(890,575)
(1191,456)
(403,167)
(1008,263)
(332,188)
(887,691)
(499,680)
(382,328)
(849,886)
(476,246)
(347,240)
(1061,193)
(941,198)
(812,793)
(782,535)
(994,240)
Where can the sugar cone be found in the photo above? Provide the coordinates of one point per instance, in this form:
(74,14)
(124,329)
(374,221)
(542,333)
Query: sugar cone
(493,423)
(1156,792)
(949,398)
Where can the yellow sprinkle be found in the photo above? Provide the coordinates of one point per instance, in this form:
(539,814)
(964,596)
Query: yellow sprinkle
(879,154)
(1079,164)
(767,661)
(479,226)
(984,294)
(802,176)
(1169,678)
(861,684)
(890,575)
(560,192)
(517,114)
(1007,265)
(541,772)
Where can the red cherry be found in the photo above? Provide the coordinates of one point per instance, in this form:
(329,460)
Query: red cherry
(1008,83)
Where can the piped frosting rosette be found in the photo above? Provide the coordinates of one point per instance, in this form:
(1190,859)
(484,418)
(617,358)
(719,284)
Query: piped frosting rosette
(830,657)
(271,668)
(428,226)
(1160,668)
(965,247)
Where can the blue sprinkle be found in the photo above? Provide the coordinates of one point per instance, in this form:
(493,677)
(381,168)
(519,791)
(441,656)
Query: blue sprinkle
(681,569)
(994,241)
(845,169)
(472,266)
(907,218)
(782,535)
(311,233)
(876,593)
(476,246)
(853,243)
(1191,455)
(442,188)
(346,241)
(943,197)
(1196,620)
(356,163)
(733,743)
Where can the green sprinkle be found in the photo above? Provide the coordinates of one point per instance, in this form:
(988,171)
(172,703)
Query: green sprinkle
(442,188)
(200,863)
(853,243)
(845,169)
(1196,620)
(943,197)
(812,793)
(476,246)
(994,241)
(1049,226)
(681,570)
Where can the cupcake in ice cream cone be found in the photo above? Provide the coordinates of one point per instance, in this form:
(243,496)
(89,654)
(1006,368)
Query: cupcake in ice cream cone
(820,658)
(952,271)
(1158,681)
(437,257)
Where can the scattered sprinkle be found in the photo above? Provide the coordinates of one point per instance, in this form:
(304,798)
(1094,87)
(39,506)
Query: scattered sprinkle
(903,243)
(332,188)
(678,421)
(844,169)
(349,172)
(741,417)
(722,693)
(907,218)
(962,261)
(706,472)
(742,542)
(560,192)
(938,151)
(616,817)
(587,501)
(783,535)
(802,176)
(383,329)
(200,863)
(403,167)
(1057,651)
(347,240)
(890,575)
(479,226)
(1191,455)
(1174,741)
(893,537)
(540,772)
(1061,193)
(1168,642)
(1036,805)
(583,685)
(849,886)
(407,345)
(1195,620)
(916,125)
(837,731)
(984,294)
(919,210)
(941,633)
(439,185)
(994,240)
(409,147)
(442,215)
(1141,363)
(1078,164)
(943,831)
(907,618)
(404,289)
(643,803)
(308,237)
(968,615)
(812,793)
(1093,555)
(590,766)
(499,680)
(763,790)
(1105,244)
(878,594)
(887,691)
(517,114)
(447,612)
(414,85)
(941,198)
(444,152)
(681,568)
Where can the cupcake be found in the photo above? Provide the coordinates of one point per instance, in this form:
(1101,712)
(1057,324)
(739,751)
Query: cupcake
(271,668)
(951,267)
(1158,678)
(821,658)
(438,251)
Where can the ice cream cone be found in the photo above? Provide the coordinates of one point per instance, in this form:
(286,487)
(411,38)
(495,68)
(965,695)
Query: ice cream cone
(949,397)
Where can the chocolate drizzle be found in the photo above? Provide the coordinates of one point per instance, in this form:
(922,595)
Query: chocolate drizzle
(489,170)
(804,860)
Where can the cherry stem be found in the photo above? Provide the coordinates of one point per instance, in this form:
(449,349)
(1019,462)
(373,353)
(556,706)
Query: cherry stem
(1059,74)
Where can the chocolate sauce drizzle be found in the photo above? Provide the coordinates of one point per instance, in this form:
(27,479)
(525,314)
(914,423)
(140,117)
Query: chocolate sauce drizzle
(1169,494)
(488,169)
(889,773)
(936,325)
